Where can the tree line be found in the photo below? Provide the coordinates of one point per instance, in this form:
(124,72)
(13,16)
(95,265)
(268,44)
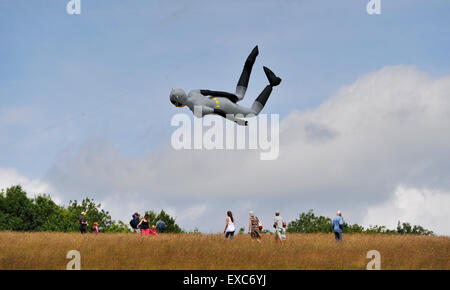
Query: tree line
(42,214)
(310,223)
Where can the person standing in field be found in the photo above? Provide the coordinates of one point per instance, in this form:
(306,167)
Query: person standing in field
(229,226)
(160,225)
(253,227)
(135,221)
(338,223)
(144,225)
(83,223)
(278,225)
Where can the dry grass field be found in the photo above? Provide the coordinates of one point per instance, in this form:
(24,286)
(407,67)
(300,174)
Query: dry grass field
(196,251)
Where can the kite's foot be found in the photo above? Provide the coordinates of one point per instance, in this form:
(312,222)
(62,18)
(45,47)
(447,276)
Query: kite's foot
(273,79)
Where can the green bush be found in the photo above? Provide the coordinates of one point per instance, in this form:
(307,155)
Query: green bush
(310,223)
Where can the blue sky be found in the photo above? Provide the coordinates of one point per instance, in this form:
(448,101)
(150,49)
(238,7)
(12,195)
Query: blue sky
(67,81)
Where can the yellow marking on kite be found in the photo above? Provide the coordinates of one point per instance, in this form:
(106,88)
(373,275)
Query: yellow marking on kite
(217,102)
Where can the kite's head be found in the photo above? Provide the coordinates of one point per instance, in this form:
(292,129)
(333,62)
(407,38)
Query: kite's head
(178,98)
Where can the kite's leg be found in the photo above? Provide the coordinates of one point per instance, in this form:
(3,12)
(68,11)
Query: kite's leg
(261,100)
(242,84)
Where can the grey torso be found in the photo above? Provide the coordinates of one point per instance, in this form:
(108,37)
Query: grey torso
(195,98)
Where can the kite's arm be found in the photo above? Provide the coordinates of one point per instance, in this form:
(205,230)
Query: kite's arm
(207,110)
(239,121)
(230,117)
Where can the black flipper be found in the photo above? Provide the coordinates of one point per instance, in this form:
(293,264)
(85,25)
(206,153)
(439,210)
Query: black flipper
(273,79)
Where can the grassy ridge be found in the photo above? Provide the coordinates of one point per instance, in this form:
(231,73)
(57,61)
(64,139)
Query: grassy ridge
(196,251)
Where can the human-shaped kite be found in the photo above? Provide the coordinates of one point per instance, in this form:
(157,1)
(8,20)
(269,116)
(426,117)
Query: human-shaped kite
(223,103)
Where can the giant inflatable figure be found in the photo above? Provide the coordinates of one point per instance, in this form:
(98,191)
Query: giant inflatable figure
(225,104)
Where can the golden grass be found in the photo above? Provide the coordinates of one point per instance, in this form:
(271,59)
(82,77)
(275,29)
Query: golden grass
(196,251)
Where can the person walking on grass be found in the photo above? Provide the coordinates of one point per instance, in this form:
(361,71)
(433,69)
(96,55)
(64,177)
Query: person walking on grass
(338,224)
(83,223)
(135,221)
(278,225)
(160,225)
(253,227)
(144,225)
(229,226)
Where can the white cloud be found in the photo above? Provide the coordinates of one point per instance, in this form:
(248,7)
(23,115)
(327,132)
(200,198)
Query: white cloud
(389,127)
(426,207)
(10,177)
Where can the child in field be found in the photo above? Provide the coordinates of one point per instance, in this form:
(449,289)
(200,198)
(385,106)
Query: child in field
(95,228)
(153,231)
(283,231)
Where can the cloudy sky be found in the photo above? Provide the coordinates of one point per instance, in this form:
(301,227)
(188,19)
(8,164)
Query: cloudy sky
(364,107)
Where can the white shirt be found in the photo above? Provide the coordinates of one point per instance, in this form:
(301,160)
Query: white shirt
(230,227)
(279,221)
